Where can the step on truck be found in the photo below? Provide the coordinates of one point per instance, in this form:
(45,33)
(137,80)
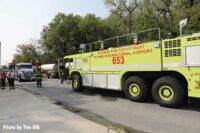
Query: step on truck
(167,69)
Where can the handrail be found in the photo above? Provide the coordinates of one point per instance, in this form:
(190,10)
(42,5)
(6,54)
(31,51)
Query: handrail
(92,43)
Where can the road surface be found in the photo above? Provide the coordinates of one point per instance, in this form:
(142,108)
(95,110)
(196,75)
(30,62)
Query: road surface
(114,107)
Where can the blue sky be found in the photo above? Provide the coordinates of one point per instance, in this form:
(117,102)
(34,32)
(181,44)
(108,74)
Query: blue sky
(22,20)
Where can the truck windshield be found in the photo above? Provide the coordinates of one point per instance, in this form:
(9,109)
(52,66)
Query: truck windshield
(25,66)
(11,67)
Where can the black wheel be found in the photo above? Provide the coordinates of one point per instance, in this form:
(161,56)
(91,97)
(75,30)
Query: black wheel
(77,83)
(136,89)
(168,92)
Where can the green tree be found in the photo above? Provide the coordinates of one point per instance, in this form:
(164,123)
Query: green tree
(116,24)
(146,19)
(17,58)
(124,9)
(62,35)
(28,52)
(95,29)
(190,10)
(66,33)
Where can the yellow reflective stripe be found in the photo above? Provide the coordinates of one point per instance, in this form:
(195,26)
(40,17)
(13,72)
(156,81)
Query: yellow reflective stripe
(86,68)
(174,64)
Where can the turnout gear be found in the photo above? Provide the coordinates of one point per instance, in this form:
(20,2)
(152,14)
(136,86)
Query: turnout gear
(38,76)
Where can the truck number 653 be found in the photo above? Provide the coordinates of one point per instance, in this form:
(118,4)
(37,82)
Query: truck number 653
(118,60)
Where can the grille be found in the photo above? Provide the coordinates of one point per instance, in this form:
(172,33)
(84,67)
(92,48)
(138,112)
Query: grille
(172,48)
(28,74)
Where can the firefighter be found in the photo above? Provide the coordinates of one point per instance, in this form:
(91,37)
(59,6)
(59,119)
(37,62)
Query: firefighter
(3,79)
(11,80)
(62,76)
(38,76)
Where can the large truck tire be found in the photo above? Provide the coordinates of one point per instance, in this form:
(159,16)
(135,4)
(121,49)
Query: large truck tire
(77,83)
(168,92)
(136,89)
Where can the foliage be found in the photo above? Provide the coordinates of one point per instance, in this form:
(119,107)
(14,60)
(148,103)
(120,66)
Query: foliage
(165,14)
(124,9)
(63,32)
(94,29)
(28,52)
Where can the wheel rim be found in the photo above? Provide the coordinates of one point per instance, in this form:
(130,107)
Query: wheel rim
(134,89)
(166,93)
(75,83)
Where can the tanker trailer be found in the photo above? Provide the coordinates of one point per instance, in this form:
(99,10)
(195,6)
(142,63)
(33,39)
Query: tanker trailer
(51,70)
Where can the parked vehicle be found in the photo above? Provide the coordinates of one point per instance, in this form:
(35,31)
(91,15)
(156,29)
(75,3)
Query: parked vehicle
(51,70)
(24,71)
(11,66)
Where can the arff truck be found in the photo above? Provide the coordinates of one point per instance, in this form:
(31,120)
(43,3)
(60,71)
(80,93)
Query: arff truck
(168,70)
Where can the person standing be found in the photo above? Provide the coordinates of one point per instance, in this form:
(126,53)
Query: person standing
(3,79)
(38,76)
(11,80)
(62,76)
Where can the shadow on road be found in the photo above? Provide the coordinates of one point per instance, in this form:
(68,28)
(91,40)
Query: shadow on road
(107,95)
(112,95)
(193,105)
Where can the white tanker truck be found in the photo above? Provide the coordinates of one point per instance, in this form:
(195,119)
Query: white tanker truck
(51,70)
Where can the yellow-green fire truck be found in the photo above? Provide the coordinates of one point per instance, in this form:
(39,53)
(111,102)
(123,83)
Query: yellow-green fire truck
(168,70)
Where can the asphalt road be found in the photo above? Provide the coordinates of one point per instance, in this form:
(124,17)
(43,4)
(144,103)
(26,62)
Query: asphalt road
(113,106)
